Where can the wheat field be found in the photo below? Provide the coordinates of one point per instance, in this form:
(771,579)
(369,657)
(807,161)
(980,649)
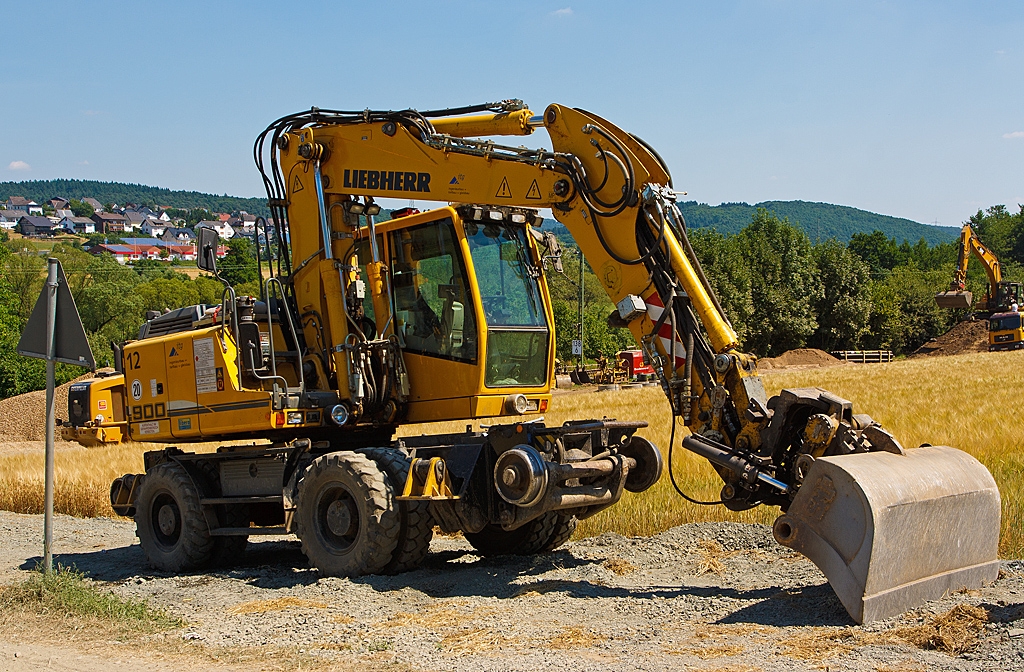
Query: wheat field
(967,401)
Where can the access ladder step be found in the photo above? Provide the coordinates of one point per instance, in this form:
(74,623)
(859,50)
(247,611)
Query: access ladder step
(268,499)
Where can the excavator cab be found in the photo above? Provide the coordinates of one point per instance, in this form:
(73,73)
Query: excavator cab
(471,308)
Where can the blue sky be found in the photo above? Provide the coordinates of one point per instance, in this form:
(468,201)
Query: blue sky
(911,109)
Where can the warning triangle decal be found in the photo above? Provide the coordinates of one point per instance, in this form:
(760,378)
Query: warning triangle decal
(296,185)
(503,190)
(534,191)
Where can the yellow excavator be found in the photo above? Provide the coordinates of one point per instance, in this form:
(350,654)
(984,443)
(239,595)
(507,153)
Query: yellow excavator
(1001,293)
(445,315)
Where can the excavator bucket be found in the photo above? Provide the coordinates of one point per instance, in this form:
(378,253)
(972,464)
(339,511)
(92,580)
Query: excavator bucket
(892,531)
(954,300)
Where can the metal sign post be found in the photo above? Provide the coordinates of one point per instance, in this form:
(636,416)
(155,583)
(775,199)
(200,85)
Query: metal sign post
(56,326)
(51,351)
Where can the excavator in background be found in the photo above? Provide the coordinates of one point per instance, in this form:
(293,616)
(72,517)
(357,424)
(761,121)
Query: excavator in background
(1001,294)
(1005,329)
(444,315)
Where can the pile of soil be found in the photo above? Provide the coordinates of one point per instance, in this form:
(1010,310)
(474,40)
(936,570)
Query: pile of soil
(806,358)
(23,418)
(965,337)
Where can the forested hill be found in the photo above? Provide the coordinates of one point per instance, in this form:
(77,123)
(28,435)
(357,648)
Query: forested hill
(41,191)
(820,221)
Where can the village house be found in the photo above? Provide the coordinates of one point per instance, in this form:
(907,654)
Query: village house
(153,227)
(96,205)
(124,254)
(79,225)
(9,218)
(59,203)
(109,222)
(223,229)
(25,205)
(31,225)
(177,235)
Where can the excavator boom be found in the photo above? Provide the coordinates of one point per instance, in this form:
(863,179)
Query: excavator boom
(873,511)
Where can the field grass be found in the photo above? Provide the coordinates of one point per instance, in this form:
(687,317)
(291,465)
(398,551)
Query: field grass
(968,402)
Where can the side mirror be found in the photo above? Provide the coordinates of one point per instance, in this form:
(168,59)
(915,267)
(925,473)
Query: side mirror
(206,248)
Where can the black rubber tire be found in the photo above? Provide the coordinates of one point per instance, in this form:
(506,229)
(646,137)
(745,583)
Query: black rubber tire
(346,516)
(563,528)
(169,520)
(417,525)
(227,551)
(528,539)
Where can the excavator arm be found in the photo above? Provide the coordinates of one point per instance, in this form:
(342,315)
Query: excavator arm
(869,513)
(957,296)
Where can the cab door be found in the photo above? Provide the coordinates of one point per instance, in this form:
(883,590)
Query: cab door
(435,315)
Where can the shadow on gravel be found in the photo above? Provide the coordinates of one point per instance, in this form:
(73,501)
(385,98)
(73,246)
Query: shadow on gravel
(1004,613)
(807,605)
(276,564)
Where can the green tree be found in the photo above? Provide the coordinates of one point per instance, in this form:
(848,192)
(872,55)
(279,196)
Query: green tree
(239,264)
(877,250)
(843,309)
(784,285)
(723,262)
(81,208)
(904,315)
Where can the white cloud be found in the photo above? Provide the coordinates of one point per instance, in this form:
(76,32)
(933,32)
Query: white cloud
(565,11)
(83,163)
(1008,136)
(1000,51)
(18,165)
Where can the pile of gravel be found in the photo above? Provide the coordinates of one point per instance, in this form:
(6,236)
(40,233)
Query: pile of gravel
(23,418)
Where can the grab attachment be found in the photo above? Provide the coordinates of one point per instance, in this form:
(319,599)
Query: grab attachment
(891,531)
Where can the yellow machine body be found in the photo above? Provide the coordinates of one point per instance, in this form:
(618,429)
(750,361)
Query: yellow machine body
(445,315)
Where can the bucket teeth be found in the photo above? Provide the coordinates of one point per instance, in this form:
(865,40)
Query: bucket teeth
(892,531)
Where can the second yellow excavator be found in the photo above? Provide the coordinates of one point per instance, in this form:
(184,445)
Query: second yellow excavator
(1001,293)
(445,315)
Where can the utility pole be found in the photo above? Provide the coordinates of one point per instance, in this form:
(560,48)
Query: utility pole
(580,316)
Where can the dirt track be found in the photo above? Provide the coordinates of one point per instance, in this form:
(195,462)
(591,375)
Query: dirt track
(706,596)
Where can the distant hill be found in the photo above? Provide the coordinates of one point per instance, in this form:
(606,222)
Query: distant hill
(41,191)
(820,221)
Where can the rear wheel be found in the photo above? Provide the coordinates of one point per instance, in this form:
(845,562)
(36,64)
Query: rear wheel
(169,520)
(416,528)
(346,516)
(533,537)
(563,529)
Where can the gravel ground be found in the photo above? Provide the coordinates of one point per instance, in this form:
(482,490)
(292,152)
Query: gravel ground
(708,596)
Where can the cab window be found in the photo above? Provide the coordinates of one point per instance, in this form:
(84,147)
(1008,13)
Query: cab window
(434,311)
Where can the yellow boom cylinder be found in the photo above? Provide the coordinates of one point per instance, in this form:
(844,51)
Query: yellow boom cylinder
(505,123)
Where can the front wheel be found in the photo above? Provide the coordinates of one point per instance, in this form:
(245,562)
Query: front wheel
(346,516)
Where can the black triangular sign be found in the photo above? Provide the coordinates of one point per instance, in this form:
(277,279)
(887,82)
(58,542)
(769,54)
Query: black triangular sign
(72,347)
